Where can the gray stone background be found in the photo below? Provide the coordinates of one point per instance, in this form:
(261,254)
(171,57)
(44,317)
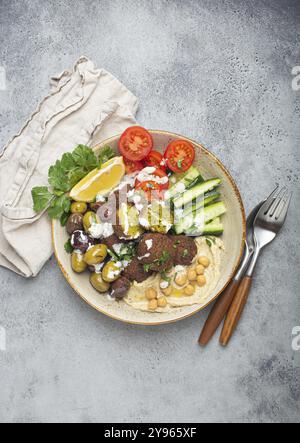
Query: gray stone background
(219,72)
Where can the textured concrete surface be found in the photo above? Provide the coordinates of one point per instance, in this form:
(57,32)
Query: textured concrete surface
(219,72)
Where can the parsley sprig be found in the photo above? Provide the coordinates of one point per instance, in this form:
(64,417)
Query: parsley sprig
(63,176)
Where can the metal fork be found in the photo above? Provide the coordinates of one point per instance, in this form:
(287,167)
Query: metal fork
(267,224)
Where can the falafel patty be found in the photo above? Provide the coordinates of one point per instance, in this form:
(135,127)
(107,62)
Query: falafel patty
(135,271)
(156,251)
(111,241)
(185,249)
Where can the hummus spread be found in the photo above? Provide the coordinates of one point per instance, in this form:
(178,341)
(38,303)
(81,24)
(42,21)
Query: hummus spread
(212,248)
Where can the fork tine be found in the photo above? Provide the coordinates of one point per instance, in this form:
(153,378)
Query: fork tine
(265,207)
(280,196)
(283,208)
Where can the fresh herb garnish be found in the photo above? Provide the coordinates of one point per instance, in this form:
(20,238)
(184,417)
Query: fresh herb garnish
(68,247)
(113,255)
(185,253)
(165,277)
(179,163)
(106,154)
(163,258)
(177,242)
(127,251)
(210,241)
(63,176)
(147,267)
(41,198)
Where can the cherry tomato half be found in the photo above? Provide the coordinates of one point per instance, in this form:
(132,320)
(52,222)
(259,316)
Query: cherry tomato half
(160,174)
(131,166)
(150,188)
(156,159)
(135,143)
(179,155)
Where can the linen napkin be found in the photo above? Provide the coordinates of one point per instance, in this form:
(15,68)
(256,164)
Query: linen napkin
(85,106)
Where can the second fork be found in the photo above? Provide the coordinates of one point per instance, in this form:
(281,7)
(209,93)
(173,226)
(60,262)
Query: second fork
(267,224)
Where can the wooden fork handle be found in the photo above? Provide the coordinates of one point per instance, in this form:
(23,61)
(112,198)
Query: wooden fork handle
(218,313)
(236,310)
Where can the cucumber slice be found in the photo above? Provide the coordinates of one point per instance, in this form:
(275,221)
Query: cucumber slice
(204,216)
(195,192)
(182,184)
(195,182)
(215,227)
(209,198)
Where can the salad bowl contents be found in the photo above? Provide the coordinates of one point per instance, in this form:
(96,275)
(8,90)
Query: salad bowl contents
(147,227)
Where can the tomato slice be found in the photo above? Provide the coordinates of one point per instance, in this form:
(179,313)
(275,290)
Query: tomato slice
(162,180)
(156,159)
(131,166)
(162,174)
(135,143)
(150,188)
(179,155)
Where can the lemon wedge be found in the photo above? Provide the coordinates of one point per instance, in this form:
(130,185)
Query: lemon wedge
(99,181)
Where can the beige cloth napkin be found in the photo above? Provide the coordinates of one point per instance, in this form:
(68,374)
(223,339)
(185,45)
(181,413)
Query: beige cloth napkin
(85,106)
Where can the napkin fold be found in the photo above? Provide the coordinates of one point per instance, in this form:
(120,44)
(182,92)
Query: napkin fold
(85,106)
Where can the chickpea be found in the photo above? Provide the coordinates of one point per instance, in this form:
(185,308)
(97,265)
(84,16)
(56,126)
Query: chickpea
(201,280)
(167,291)
(181,279)
(151,294)
(78,208)
(204,261)
(200,269)
(189,290)
(77,262)
(111,272)
(153,304)
(162,302)
(192,275)
(95,255)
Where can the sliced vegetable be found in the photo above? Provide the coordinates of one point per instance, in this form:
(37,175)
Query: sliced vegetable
(99,181)
(197,181)
(195,192)
(150,188)
(135,143)
(200,218)
(182,184)
(209,198)
(215,227)
(179,155)
(156,159)
(158,181)
(131,166)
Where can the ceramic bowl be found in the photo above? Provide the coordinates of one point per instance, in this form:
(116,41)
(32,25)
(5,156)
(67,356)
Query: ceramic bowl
(233,237)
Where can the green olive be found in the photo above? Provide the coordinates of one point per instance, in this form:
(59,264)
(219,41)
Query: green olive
(88,219)
(111,272)
(78,207)
(78,264)
(95,255)
(98,283)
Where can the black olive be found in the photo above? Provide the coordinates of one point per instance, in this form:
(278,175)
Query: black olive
(74,223)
